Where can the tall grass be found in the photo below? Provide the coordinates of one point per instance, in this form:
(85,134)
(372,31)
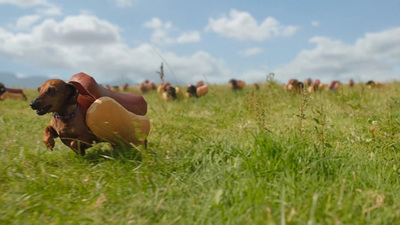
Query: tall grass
(225,158)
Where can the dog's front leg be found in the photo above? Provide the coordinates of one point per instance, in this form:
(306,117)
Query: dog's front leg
(78,147)
(48,137)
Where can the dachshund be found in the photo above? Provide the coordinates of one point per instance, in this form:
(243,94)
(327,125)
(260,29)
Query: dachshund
(68,121)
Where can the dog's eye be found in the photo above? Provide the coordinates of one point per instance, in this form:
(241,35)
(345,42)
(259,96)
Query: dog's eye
(51,91)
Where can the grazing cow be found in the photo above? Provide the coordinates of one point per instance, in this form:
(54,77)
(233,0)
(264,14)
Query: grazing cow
(150,85)
(316,86)
(143,88)
(196,91)
(378,84)
(146,86)
(294,86)
(255,87)
(201,88)
(115,88)
(11,93)
(125,87)
(236,84)
(372,84)
(170,92)
(200,83)
(351,83)
(161,88)
(308,82)
(191,91)
(108,87)
(333,86)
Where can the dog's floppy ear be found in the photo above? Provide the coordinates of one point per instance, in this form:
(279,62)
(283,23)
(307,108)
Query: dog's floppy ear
(72,97)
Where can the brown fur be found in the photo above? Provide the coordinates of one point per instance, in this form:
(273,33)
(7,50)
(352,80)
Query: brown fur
(11,93)
(351,83)
(294,86)
(162,87)
(170,92)
(236,84)
(146,86)
(125,88)
(15,96)
(60,98)
(316,86)
(308,82)
(143,88)
(256,86)
(333,86)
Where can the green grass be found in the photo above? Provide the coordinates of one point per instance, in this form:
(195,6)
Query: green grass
(225,158)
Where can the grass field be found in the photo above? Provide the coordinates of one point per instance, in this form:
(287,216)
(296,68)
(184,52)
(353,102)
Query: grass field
(244,157)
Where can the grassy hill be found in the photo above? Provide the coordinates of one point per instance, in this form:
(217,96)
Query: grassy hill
(243,157)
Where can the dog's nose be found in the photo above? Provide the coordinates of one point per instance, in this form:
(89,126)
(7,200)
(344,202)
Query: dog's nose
(33,104)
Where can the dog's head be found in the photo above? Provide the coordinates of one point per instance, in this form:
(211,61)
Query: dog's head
(54,96)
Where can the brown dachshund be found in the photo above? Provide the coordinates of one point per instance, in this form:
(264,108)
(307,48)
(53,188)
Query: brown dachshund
(68,121)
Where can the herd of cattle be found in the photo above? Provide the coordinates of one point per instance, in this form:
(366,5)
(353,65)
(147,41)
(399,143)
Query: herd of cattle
(170,92)
(293,85)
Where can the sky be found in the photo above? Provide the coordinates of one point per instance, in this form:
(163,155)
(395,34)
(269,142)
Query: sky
(207,40)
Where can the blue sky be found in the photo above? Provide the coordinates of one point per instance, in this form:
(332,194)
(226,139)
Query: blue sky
(201,40)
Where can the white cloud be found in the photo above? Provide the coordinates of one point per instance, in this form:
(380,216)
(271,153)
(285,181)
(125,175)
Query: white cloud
(77,30)
(187,37)
(154,23)
(124,3)
(373,56)
(20,75)
(26,22)
(250,52)
(89,44)
(254,76)
(162,33)
(243,26)
(24,3)
(315,23)
(48,8)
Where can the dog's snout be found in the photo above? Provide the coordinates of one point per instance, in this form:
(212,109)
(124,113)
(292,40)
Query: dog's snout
(34,104)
